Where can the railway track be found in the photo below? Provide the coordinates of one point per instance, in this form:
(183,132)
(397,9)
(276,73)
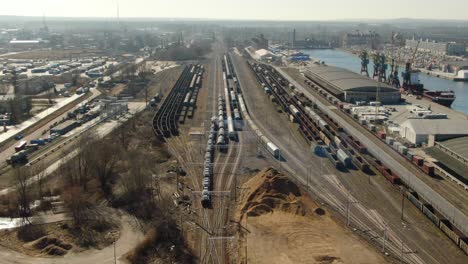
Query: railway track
(165,120)
(426,209)
(309,129)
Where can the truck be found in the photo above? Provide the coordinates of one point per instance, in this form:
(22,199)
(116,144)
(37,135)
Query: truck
(39,142)
(20,157)
(21,146)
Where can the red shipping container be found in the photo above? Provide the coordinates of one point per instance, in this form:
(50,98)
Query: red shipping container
(428,169)
(418,161)
(381,134)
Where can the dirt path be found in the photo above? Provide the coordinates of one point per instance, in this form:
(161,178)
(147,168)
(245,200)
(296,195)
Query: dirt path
(130,236)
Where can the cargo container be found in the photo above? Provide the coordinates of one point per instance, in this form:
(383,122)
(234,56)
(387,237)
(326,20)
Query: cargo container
(409,156)
(418,161)
(396,145)
(381,134)
(428,169)
(390,140)
(403,150)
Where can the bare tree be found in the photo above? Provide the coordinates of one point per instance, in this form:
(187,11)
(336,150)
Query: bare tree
(77,204)
(103,158)
(20,178)
(85,150)
(123,134)
(40,172)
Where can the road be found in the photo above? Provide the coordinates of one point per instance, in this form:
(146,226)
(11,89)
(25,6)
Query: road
(38,132)
(69,152)
(374,205)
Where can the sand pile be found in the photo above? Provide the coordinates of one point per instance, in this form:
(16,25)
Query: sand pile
(270,190)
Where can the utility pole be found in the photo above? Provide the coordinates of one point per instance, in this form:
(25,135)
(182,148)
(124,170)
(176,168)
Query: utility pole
(384,238)
(401,252)
(402,190)
(348,209)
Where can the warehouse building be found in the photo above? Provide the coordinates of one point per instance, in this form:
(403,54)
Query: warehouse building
(351,87)
(265,55)
(427,131)
(456,148)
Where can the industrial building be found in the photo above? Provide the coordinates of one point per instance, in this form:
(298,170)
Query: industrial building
(352,87)
(459,68)
(368,39)
(456,148)
(419,131)
(265,55)
(260,42)
(442,48)
(26,44)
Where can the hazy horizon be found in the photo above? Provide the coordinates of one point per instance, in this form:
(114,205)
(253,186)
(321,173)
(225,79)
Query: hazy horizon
(272,10)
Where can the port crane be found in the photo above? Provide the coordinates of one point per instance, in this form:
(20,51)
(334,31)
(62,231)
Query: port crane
(364,62)
(407,73)
(393,77)
(380,67)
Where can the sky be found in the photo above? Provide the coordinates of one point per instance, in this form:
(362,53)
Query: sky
(242,9)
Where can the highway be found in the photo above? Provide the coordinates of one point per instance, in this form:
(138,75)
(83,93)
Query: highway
(373,204)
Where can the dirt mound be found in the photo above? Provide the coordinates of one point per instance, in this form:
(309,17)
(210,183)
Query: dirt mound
(270,190)
(53,250)
(328,259)
(50,246)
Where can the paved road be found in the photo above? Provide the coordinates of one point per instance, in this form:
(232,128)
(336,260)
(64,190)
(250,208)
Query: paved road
(38,132)
(102,130)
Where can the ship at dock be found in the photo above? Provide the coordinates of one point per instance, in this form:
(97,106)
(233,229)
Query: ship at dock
(412,85)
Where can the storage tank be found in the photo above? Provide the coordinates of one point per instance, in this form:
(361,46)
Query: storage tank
(220,140)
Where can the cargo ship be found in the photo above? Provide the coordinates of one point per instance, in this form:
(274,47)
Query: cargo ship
(412,85)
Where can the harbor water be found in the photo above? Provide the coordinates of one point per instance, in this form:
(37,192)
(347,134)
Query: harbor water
(352,62)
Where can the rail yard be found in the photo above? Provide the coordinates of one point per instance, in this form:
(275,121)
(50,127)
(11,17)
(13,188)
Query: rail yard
(192,142)
(302,131)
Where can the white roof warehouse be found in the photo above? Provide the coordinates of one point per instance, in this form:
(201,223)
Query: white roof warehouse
(419,131)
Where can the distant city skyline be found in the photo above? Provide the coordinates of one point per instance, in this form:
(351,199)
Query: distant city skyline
(242,9)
